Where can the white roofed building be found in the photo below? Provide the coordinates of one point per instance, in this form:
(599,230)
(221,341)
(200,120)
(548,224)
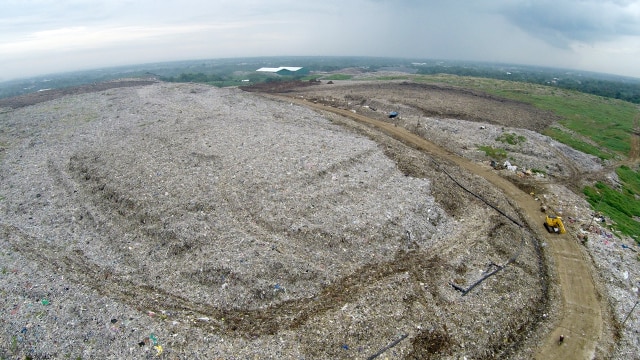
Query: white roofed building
(285,70)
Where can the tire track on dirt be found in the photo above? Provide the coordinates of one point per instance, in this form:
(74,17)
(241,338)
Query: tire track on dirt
(125,287)
(581,320)
(287,315)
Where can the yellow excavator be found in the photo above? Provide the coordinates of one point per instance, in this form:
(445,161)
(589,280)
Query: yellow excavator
(554,224)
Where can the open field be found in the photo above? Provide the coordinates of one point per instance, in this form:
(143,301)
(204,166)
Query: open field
(205,222)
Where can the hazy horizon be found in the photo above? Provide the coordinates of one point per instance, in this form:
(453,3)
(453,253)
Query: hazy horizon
(42,37)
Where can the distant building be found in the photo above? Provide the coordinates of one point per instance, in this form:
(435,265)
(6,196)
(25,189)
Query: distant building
(285,70)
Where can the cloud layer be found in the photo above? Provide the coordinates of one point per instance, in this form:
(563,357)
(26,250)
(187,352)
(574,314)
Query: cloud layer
(41,36)
(561,23)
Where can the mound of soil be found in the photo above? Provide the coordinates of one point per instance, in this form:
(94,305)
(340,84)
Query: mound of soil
(183,220)
(189,220)
(464,122)
(51,94)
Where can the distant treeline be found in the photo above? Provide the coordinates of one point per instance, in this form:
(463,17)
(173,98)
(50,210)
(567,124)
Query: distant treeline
(220,80)
(232,72)
(227,79)
(627,90)
(193,77)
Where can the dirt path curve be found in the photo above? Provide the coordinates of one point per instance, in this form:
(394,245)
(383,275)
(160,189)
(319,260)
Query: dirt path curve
(581,320)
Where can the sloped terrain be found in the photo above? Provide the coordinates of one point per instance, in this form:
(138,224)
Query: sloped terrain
(193,213)
(598,281)
(200,222)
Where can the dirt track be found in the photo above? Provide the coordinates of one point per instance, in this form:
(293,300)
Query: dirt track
(581,320)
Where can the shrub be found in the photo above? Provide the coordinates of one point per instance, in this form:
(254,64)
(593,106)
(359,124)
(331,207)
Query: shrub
(494,153)
(511,138)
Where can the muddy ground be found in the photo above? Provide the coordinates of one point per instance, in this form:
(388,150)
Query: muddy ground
(185,221)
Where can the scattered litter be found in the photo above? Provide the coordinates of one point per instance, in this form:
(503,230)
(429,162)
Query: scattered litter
(628,247)
(264,216)
(510,167)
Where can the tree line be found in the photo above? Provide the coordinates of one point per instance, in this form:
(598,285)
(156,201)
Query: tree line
(627,90)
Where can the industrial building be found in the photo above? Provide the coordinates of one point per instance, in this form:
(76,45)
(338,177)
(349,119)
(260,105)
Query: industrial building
(285,70)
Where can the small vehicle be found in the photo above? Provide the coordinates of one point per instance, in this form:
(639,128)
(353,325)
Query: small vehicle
(393,114)
(554,224)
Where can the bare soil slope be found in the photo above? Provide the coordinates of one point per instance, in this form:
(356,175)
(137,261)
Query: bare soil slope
(415,99)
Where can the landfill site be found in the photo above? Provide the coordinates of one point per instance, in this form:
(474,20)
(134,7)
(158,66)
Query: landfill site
(353,219)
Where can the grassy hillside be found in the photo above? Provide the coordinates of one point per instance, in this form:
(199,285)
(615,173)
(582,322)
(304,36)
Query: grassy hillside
(621,205)
(603,125)
(592,124)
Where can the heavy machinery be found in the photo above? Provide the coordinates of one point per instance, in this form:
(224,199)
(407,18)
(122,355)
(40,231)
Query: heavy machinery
(554,224)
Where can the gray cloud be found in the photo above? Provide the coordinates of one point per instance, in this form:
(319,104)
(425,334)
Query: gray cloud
(561,22)
(54,35)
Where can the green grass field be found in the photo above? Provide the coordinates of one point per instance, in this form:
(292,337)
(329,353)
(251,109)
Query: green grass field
(606,122)
(337,77)
(578,144)
(619,205)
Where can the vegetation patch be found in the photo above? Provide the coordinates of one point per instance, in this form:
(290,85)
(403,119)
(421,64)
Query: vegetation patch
(494,153)
(627,90)
(607,122)
(394,77)
(621,206)
(570,140)
(511,138)
(630,178)
(338,77)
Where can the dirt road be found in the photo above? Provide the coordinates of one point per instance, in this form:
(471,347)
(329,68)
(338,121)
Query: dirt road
(581,321)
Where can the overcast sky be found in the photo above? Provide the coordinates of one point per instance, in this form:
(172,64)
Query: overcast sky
(47,36)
